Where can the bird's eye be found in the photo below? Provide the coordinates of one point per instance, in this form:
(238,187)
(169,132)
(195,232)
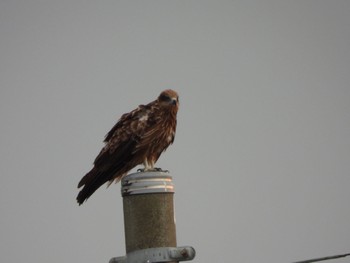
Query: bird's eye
(164,98)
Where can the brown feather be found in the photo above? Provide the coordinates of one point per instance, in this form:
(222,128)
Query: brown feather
(138,137)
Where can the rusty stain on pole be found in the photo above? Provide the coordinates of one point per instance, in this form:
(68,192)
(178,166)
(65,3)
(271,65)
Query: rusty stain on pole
(148,202)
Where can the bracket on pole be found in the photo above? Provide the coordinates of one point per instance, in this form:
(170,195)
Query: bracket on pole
(153,255)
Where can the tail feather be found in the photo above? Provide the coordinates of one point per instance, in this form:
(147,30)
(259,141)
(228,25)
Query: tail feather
(108,167)
(91,182)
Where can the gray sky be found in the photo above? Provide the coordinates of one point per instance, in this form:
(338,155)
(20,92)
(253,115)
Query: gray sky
(261,160)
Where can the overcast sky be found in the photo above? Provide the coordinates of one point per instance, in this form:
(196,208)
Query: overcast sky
(261,159)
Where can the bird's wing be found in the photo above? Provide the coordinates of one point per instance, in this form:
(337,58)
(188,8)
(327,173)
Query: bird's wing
(118,156)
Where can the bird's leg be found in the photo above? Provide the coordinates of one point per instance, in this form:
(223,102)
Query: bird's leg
(149,167)
(158,169)
(146,167)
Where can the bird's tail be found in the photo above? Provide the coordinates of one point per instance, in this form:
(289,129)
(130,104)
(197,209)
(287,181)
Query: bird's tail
(91,182)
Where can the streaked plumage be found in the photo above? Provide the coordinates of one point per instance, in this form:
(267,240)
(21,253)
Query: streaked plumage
(139,137)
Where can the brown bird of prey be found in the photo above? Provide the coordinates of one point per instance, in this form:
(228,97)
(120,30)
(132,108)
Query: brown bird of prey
(139,137)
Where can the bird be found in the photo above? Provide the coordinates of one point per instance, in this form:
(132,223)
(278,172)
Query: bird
(139,137)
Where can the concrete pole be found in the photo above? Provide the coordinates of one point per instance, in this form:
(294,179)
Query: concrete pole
(148,202)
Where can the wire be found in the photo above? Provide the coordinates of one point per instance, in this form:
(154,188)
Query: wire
(324,258)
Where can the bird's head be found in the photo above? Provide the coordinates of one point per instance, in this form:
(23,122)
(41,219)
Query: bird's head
(169,98)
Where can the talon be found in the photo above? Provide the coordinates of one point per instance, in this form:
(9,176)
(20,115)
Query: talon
(161,170)
(155,169)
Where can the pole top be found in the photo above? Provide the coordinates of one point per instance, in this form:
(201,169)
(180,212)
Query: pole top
(149,182)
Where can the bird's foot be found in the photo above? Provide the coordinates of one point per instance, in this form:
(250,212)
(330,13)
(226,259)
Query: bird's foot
(155,169)
(158,169)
